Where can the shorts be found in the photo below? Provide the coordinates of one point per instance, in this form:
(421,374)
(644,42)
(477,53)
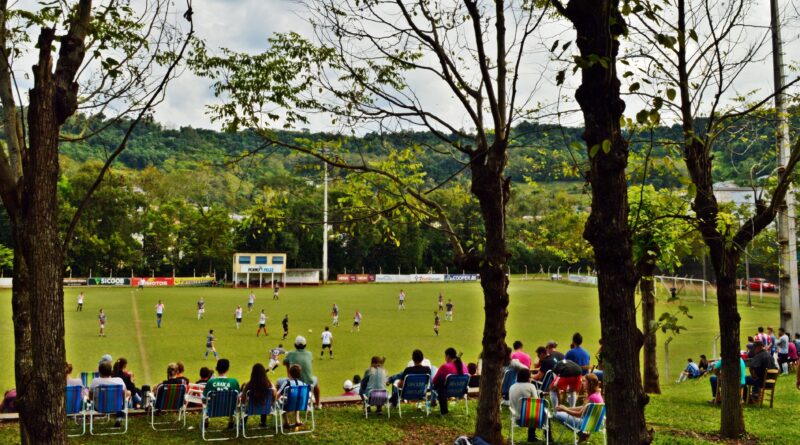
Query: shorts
(249,305)
(272,363)
(356,323)
(102,325)
(238,320)
(326,346)
(568,383)
(262,325)
(159,315)
(201,311)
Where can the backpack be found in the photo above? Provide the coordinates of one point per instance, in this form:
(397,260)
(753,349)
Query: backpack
(567,368)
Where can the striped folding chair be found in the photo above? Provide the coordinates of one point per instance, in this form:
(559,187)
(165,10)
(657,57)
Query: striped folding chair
(251,408)
(378,398)
(592,421)
(220,403)
(108,400)
(509,378)
(75,407)
(415,389)
(296,399)
(87,377)
(456,387)
(532,412)
(168,398)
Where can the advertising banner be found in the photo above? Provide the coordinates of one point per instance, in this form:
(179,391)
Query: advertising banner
(262,269)
(462,277)
(345,278)
(193,281)
(583,279)
(75,281)
(428,278)
(108,281)
(355,278)
(153,282)
(364,278)
(5,283)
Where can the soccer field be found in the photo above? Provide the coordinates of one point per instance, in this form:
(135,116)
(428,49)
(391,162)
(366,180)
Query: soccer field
(539,311)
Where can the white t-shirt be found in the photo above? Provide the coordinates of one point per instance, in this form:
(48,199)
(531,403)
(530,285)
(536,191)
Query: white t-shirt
(326,337)
(251,299)
(263,319)
(160,308)
(783,344)
(238,312)
(106,381)
(357,317)
(402,296)
(80,299)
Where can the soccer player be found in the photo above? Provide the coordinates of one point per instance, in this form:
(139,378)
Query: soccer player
(262,324)
(285,324)
(449,314)
(275,291)
(238,314)
(201,308)
(159,312)
(356,322)
(251,300)
(102,319)
(335,314)
(441,301)
(402,304)
(274,357)
(210,344)
(327,342)
(80,302)
(436,322)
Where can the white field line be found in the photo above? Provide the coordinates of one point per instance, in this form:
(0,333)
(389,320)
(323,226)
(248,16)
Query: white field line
(139,341)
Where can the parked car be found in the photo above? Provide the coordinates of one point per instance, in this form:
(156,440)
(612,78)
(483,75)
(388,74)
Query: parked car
(761,283)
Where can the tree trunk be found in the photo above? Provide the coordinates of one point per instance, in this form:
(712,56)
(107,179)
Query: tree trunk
(493,192)
(648,290)
(732,418)
(599,24)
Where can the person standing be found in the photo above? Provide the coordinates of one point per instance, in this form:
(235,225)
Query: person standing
(285,324)
(251,300)
(401,306)
(356,322)
(159,312)
(327,343)
(237,313)
(210,344)
(436,322)
(102,319)
(441,301)
(449,314)
(275,291)
(262,324)
(335,315)
(201,308)
(578,354)
(80,302)
(782,346)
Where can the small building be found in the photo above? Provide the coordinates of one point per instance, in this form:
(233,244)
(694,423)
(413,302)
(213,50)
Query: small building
(254,269)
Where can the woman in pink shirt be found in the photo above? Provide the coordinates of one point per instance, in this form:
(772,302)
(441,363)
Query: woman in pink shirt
(572,416)
(452,365)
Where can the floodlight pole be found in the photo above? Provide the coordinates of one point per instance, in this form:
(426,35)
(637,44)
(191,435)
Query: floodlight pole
(325,224)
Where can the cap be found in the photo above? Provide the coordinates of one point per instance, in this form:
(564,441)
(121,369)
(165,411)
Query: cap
(105,358)
(348,385)
(300,340)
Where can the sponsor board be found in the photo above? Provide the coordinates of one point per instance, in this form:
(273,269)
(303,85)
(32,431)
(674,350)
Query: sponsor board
(75,281)
(355,278)
(108,281)
(462,277)
(152,282)
(583,279)
(5,283)
(428,278)
(193,281)
(262,269)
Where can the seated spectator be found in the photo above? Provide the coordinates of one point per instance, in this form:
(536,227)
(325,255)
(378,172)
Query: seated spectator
(692,371)
(568,379)
(546,363)
(302,358)
(120,370)
(172,376)
(219,383)
(356,383)
(294,379)
(259,388)
(181,370)
(105,379)
(717,366)
(521,355)
(348,389)
(703,364)
(9,403)
(452,365)
(572,416)
(205,375)
(577,354)
(474,378)
(417,367)
(759,364)
(750,347)
(72,381)
(520,390)
(374,378)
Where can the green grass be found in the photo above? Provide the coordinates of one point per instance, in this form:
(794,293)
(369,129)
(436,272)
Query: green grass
(539,311)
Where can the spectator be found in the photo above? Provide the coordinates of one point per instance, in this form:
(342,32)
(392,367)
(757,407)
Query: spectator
(692,371)
(577,354)
(220,383)
(9,402)
(172,376)
(294,379)
(546,363)
(598,370)
(553,353)
(452,365)
(349,389)
(374,378)
(523,388)
(521,355)
(758,368)
(105,379)
(572,416)
(568,379)
(793,354)
(771,346)
(259,388)
(714,379)
(416,366)
(181,370)
(356,383)
(474,378)
(750,347)
(205,375)
(303,358)
(782,346)
(797,341)
(761,336)
(72,381)
(120,370)
(703,364)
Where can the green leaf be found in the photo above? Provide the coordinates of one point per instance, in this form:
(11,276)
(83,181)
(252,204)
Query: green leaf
(671,93)
(607,146)
(634,87)
(593,151)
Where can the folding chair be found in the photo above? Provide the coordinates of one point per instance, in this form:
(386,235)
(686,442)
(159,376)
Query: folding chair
(87,377)
(456,387)
(251,408)
(415,389)
(296,399)
(220,403)
(107,400)
(75,407)
(547,382)
(532,412)
(770,380)
(592,421)
(509,378)
(168,398)
(377,398)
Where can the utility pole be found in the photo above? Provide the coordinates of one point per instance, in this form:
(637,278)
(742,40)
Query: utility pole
(325,225)
(787,240)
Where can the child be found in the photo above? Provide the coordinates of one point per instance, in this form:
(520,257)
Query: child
(238,315)
(436,322)
(210,344)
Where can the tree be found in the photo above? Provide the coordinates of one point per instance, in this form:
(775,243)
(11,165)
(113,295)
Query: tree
(112,38)
(599,25)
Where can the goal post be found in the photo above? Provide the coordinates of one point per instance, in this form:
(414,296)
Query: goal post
(684,285)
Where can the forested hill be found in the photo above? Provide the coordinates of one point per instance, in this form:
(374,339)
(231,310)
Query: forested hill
(540,152)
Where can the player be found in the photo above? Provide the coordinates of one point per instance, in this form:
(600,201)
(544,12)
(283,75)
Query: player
(210,344)
(402,298)
(262,324)
(356,322)
(159,312)
(251,300)
(275,291)
(102,319)
(274,357)
(285,324)
(335,314)
(80,302)
(327,342)
(201,308)
(441,301)
(449,314)
(238,314)
(436,322)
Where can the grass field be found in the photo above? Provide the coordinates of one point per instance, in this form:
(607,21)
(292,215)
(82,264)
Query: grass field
(539,311)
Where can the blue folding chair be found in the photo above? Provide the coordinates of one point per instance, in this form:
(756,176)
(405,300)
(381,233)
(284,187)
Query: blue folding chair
(76,407)
(169,398)
(296,399)
(379,398)
(546,383)
(456,387)
(415,389)
(532,412)
(220,403)
(107,400)
(509,378)
(251,408)
(87,377)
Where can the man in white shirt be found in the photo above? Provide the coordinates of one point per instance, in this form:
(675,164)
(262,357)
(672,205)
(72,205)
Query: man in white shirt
(327,342)
(262,323)
(159,312)
(518,391)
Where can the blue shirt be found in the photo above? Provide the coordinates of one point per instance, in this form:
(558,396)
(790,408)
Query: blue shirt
(579,356)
